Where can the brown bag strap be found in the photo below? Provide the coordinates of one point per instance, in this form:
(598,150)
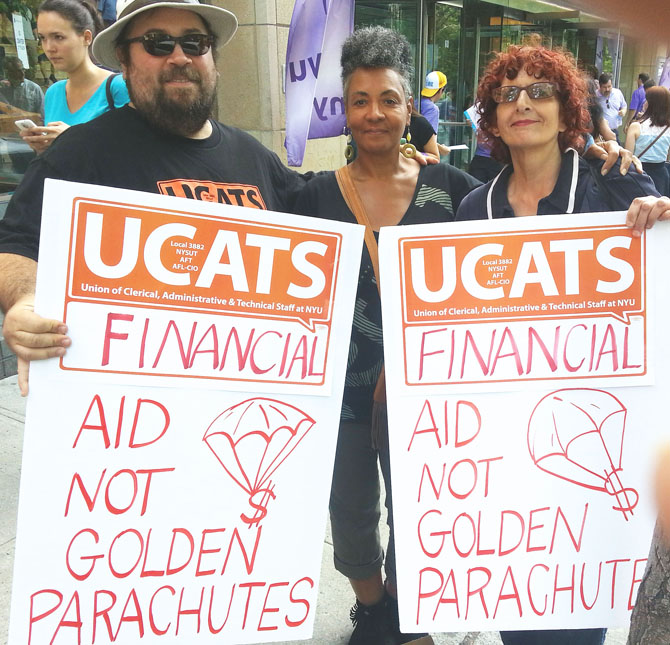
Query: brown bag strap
(653,142)
(353,200)
(351,196)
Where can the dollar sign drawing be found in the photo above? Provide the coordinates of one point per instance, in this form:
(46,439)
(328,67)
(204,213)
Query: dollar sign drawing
(266,494)
(626,498)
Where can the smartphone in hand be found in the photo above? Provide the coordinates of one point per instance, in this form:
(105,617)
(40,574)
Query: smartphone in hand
(24,124)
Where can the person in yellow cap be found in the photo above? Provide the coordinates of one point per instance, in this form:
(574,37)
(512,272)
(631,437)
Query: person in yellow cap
(433,89)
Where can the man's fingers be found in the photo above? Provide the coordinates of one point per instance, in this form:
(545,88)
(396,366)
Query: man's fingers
(33,331)
(35,323)
(40,340)
(37,354)
(23,367)
(25,319)
(31,336)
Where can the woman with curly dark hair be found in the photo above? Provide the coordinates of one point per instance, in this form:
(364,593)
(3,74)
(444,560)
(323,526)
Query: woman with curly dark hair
(380,187)
(533,107)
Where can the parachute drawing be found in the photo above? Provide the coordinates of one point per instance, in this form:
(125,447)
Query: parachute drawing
(577,435)
(251,440)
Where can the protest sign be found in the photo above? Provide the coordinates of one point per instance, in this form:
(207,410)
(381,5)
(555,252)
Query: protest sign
(177,459)
(524,408)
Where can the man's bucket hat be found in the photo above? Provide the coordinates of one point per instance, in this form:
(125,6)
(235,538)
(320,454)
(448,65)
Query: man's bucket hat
(222,23)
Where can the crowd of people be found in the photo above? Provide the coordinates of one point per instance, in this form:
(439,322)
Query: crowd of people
(534,119)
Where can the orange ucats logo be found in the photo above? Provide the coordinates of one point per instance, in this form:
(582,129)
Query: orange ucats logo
(214,191)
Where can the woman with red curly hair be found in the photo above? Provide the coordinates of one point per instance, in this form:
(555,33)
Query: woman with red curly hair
(533,110)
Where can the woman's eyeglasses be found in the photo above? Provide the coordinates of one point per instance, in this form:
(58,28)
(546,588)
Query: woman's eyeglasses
(156,44)
(535,91)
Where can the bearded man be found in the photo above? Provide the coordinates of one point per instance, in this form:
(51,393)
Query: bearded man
(164,142)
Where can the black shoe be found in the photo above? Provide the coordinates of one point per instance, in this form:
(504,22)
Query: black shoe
(372,625)
(394,621)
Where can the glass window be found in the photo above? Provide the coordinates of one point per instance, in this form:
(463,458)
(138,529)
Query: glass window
(25,73)
(445,53)
(402,17)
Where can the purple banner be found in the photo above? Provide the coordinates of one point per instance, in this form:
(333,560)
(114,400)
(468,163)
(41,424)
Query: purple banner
(314,105)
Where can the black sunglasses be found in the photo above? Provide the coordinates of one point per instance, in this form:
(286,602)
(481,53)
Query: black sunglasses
(157,44)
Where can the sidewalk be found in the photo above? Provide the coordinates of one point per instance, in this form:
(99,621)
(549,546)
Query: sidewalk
(332,626)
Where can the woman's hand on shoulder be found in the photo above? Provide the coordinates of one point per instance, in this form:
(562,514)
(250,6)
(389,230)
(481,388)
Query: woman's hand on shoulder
(425,158)
(444,150)
(41,137)
(644,212)
(609,152)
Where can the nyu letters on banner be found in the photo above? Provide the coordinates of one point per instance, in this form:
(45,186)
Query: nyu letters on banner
(314,105)
(177,459)
(525,407)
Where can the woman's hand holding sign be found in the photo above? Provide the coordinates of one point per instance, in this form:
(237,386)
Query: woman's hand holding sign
(644,212)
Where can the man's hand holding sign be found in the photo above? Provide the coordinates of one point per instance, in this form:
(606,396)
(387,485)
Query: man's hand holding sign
(202,391)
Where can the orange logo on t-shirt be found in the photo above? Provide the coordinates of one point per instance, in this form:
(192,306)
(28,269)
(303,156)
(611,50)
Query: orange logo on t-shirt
(213,191)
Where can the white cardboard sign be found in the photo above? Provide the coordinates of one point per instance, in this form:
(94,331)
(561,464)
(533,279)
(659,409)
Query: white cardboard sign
(177,460)
(525,407)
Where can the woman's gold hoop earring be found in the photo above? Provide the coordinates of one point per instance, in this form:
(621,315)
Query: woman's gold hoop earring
(407,149)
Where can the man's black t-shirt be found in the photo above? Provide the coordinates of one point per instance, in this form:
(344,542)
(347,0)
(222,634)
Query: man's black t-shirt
(440,188)
(122,150)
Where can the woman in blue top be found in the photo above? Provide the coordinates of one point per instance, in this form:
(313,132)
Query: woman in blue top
(66,29)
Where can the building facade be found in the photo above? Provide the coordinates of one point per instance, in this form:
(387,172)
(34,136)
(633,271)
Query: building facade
(454,36)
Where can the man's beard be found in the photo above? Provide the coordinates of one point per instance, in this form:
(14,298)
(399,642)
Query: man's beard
(181,115)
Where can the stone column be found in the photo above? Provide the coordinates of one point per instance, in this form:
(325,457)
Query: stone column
(251,66)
